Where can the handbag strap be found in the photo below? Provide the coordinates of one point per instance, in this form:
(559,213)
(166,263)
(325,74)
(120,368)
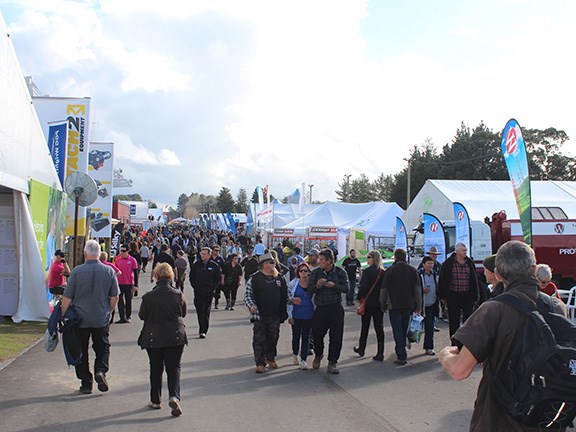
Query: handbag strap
(374,284)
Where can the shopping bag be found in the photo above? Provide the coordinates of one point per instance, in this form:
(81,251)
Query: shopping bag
(415,328)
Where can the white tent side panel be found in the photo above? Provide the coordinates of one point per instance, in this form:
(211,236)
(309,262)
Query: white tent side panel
(24,151)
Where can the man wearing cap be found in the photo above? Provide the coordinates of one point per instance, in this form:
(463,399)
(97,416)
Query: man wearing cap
(327,284)
(313,259)
(266,298)
(352,265)
(57,274)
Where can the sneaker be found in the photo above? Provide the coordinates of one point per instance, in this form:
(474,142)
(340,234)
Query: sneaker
(316,362)
(303,365)
(400,362)
(122,321)
(202,336)
(378,357)
(359,351)
(260,368)
(295,359)
(231,307)
(272,364)
(175,405)
(227,308)
(436,329)
(430,352)
(215,306)
(85,389)
(100,378)
(154,405)
(332,368)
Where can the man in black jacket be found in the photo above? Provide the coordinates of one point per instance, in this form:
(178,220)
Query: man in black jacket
(458,286)
(205,276)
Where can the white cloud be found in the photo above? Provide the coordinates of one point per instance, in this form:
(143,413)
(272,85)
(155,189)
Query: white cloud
(125,149)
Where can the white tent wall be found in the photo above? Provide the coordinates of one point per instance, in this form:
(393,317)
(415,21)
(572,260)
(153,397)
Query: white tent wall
(483,198)
(24,153)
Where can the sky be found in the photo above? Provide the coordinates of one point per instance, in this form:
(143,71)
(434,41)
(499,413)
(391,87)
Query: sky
(203,94)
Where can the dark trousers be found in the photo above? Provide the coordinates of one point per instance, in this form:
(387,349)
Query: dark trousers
(301,332)
(429,318)
(144,263)
(125,302)
(164,359)
(328,319)
(203,304)
(399,319)
(351,290)
(265,339)
(230,294)
(373,313)
(101,347)
(459,305)
(217,294)
(180,278)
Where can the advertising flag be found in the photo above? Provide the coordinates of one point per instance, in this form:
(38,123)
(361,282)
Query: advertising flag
(57,144)
(401,241)
(260,199)
(514,151)
(232,223)
(462,226)
(116,239)
(302,198)
(434,236)
(267,196)
(101,169)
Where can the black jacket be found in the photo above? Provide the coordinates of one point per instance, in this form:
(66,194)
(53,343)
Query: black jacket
(205,278)
(369,276)
(446,278)
(162,310)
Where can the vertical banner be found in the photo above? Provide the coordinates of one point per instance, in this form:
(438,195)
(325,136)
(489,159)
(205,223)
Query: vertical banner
(462,227)
(232,223)
(116,239)
(514,151)
(302,198)
(58,144)
(267,196)
(434,236)
(101,169)
(260,199)
(401,241)
(76,112)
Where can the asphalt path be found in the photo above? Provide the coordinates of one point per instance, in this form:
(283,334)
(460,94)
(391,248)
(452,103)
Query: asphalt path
(221,392)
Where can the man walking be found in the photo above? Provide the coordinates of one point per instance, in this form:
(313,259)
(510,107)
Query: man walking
(327,284)
(400,295)
(352,265)
(458,286)
(128,265)
(93,291)
(250,264)
(205,277)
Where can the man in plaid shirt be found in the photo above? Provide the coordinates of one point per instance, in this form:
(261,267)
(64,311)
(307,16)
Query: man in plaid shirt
(458,286)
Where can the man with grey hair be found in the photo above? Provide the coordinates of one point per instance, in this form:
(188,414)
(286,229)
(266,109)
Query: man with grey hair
(490,335)
(458,286)
(93,291)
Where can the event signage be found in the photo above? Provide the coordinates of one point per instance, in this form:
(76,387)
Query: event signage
(323,232)
(232,223)
(283,231)
(57,144)
(101,169)
(401,241)
(434,236)
(76,112)
(514,151)
(116,239)
(462,226)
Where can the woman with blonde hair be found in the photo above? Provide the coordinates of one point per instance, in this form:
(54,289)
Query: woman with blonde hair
(370,286)
(163,336)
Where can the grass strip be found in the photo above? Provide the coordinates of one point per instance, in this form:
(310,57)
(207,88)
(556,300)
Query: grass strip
(15,338)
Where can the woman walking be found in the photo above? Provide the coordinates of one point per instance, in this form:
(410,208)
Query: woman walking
(232,272)
(300,314)
(163,336)
(370,286)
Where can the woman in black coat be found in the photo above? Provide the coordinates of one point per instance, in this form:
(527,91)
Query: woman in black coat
(370,286)
(163,336)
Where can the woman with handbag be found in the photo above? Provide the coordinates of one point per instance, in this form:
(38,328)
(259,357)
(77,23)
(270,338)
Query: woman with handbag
(163,336)
(369,308)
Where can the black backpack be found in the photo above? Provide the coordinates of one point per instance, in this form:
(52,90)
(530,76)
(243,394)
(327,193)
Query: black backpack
(537,383)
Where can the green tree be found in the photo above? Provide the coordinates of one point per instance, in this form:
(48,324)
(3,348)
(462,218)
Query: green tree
(345,192)
(545,160)
(182,204)
(382,187)
(361,190)
(128,197)
(241,205)
(152,204)
(225,201)
(254,199)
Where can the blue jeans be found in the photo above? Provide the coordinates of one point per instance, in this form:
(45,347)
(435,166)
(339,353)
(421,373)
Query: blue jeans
(351,290)
(399,319)
(301,331)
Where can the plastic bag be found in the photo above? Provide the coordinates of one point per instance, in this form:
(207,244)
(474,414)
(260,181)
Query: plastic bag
(415,328)
(50,341)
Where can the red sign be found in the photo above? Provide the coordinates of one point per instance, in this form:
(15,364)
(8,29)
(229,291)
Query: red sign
(559,228)
(433,227)
(511,141)
(460,215)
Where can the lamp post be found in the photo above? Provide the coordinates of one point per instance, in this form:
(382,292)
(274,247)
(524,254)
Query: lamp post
(408,184)
(311,186)
(346,197)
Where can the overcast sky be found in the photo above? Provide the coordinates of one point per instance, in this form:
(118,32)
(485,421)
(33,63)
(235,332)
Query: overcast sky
(197,94)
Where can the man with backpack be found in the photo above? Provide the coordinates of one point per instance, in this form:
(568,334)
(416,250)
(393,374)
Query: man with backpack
(529,375)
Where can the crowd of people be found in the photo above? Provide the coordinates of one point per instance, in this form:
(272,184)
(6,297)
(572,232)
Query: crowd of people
(305,289)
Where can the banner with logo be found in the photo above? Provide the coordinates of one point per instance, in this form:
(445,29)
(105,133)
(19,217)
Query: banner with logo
(116,239)
(232,223)
(462,227)
(401,241)
(434,236)
(101,169)
(514,151)
(58,144)
(75,111)
(302,197)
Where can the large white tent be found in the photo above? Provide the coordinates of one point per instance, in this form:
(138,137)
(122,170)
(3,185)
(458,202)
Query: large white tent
(24,155)
(483,198)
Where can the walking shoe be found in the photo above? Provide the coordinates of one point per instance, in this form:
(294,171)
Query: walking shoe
(303,365)
(436,329)
(175,405)
(295,360)
(215,306)
(378,357)
(227,308)
(316,362)
(400,362)
(332,368)
(260,368)
(202,336)
(122,321)
(100,378)
(154,405)
(85,389)
(430,352)
(358,351)
(272,364)
(231,307)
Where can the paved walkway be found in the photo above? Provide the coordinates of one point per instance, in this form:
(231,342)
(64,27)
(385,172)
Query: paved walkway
(221,392)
